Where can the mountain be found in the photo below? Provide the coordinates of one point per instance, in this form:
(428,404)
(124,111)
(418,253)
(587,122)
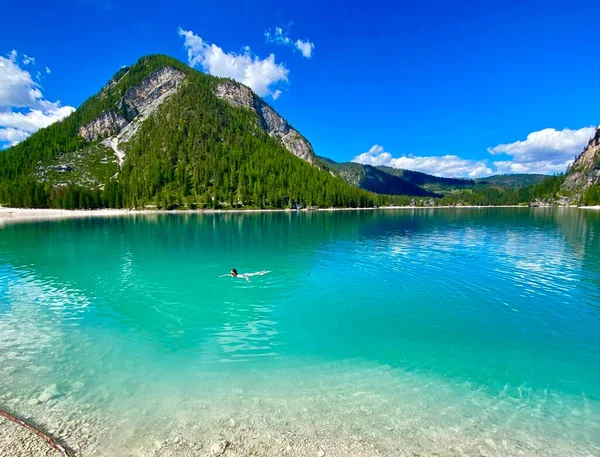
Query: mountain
(444,185)
(429,182)
(582,182)
(375,179)
(515,181)
(396,181)
(161,134)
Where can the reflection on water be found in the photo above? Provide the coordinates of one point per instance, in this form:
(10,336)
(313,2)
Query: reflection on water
(467,323)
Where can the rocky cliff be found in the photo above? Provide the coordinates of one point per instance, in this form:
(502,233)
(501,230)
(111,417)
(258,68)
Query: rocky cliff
(160,83)
(585,171)
(239,95)
(137,100)
(107,123)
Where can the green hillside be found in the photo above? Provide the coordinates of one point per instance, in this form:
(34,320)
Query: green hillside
(194,151)
(445,185)
(376,180)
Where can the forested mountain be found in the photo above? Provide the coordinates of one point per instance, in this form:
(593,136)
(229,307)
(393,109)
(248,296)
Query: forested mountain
(515,181)
(164,135)
(160,134)
(416,182)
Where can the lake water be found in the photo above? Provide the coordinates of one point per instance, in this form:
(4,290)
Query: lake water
(411,332)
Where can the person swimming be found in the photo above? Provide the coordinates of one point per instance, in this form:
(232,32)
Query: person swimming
(234,274)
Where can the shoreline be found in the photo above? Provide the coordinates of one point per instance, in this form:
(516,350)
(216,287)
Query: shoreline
(12,215)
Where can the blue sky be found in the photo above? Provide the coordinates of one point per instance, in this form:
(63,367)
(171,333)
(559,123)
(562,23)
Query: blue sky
(452,88)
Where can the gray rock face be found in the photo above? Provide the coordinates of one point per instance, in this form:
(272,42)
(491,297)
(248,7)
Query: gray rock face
(136,100)
(585,170)
(107,123)
(239,95)
(150,89)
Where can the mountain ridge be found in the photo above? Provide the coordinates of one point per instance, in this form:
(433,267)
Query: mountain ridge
(414,183)
(161,134)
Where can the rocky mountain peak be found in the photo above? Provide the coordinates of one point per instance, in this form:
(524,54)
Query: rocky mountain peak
(585,171)
(241,96)
(145,96)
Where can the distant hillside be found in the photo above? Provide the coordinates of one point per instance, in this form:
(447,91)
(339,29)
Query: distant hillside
(395,181)
(375,180)
(439,184)
(429,182)
(511,181)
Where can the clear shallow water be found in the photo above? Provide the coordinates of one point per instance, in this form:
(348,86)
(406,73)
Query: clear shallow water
(461,332)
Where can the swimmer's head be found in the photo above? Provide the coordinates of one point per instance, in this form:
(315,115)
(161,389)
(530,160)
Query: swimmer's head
(233,272)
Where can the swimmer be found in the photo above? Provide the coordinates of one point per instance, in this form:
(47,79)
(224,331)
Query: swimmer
(234,273)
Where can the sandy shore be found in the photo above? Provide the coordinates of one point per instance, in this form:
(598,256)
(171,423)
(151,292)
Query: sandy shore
(8,215)
(13,215)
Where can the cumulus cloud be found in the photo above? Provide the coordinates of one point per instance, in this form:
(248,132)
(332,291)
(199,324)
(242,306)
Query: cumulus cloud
(12,136)
(447,166)
(545,151)
(23,109)
(279,36)
(17,88)
(305,47)
(543,167)
(47,70)
(34,119)
(261,75)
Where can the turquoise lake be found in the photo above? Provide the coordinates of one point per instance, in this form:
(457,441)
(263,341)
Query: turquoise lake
(399,332)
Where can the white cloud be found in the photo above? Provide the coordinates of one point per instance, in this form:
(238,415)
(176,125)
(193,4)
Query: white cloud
(34,119)
(12,136)
(280,36)
(544,167)
(28,59)
(259,74)
(47,70)
(544,151)
(305,47)
(276,94)
(446,166)
(23,110)
(547,144)
(17,89)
